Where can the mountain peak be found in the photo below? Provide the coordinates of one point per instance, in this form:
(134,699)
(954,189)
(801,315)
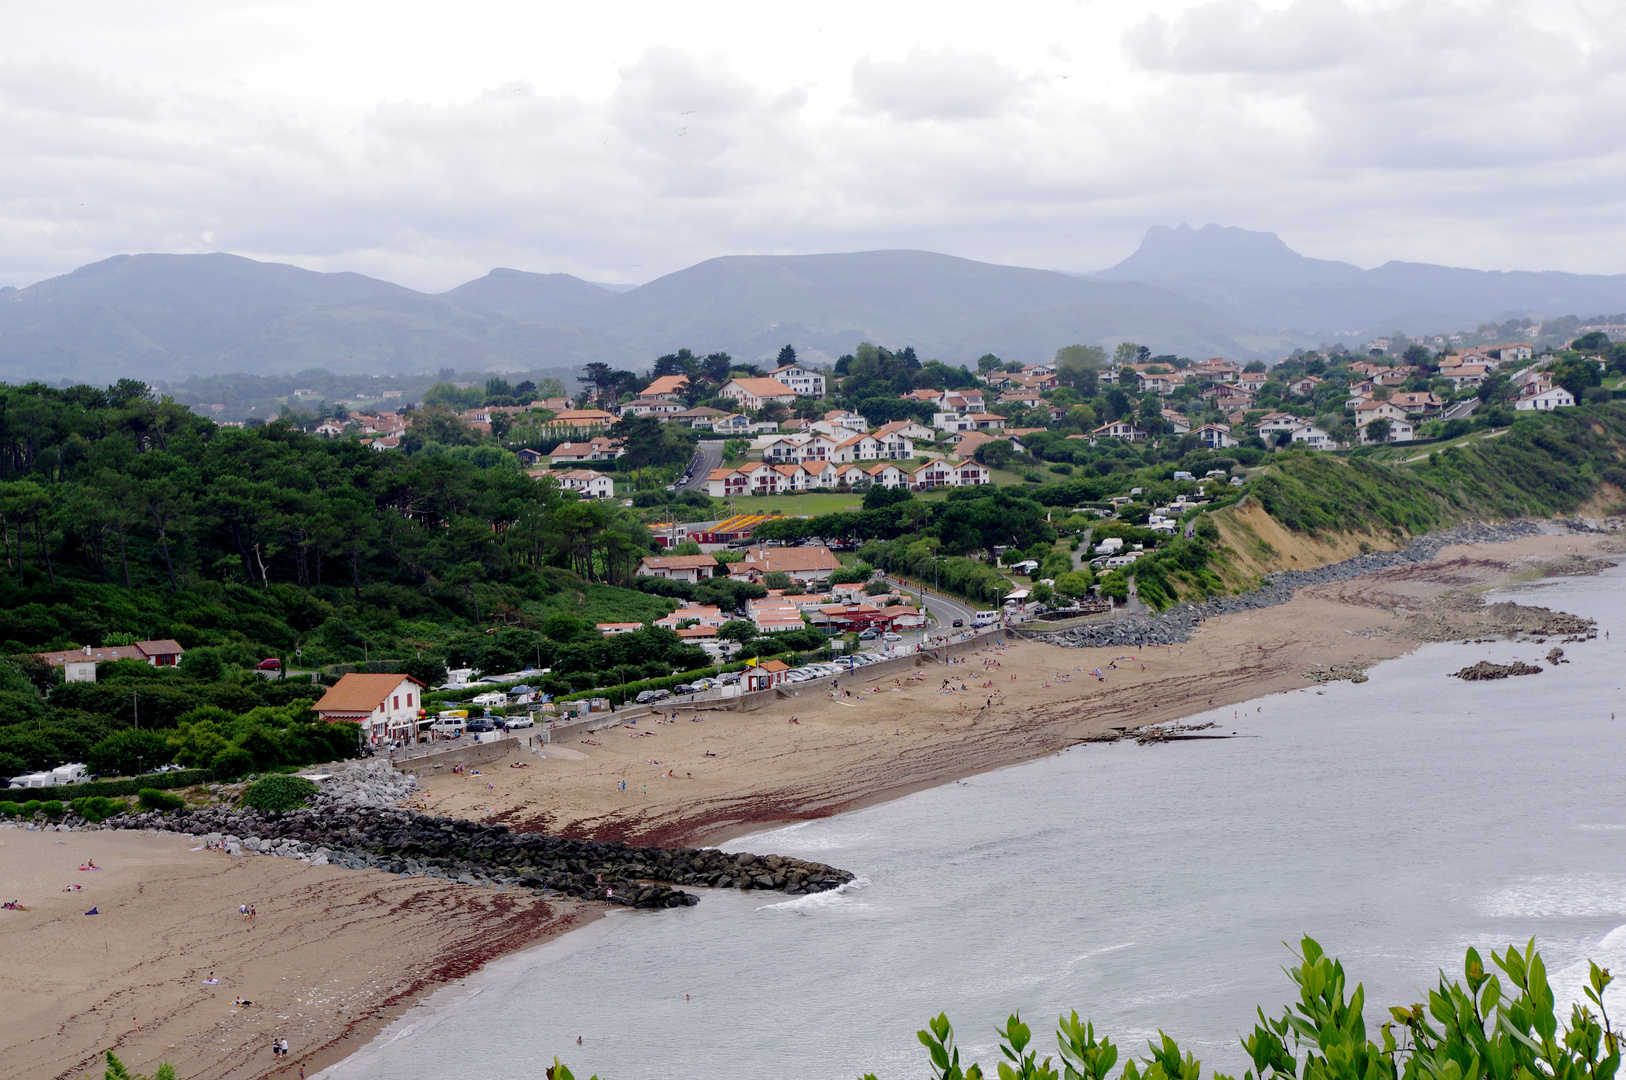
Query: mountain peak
(1224,251)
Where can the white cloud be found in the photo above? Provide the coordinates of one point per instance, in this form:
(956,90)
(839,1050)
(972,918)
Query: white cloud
(936,84)
(620,145)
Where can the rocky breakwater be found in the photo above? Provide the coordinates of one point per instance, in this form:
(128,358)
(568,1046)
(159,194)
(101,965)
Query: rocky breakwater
(1177,623)
(354,823)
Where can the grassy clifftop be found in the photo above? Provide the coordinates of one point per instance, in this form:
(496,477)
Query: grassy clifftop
(1305,509)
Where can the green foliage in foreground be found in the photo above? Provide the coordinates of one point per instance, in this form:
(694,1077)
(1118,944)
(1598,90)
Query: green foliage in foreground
(278,792)
(1480,1028)
(117,1071)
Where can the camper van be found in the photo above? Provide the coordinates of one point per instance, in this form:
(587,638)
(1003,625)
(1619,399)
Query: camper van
(985,618)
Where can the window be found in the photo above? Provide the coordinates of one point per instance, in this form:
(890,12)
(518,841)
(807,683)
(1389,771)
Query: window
(397,700)
(409,699)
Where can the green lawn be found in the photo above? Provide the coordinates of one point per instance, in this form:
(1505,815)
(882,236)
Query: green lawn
(807,505)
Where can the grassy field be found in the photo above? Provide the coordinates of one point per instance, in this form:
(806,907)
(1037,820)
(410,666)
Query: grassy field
(806,505)
(1403,453)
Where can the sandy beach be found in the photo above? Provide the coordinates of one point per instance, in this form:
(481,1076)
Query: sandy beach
(709,775)
(330,956)
(333,954)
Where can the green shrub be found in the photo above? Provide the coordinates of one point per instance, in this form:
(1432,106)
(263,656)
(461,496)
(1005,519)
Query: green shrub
(279,793)
(31,807)
(232,763)
(52,808)
(9,809)
(93,808)
(153,799)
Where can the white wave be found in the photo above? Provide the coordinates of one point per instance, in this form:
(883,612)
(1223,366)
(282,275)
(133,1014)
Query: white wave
(840,896)
(1557,896)
(1569,981)
(1602,827)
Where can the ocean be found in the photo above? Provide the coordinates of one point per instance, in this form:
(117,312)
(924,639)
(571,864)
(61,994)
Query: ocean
(1148,887)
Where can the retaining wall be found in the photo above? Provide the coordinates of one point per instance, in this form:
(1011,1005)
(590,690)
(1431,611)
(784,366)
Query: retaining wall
(472,754)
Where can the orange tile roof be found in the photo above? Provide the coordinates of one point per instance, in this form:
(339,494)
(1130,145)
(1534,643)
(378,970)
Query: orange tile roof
(357,693)
(764,387)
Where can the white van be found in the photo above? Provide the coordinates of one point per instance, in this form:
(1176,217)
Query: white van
(449,725)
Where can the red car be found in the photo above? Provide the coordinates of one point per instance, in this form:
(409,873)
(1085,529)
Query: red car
(273,664)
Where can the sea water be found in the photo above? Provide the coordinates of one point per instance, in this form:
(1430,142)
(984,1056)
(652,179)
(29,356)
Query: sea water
(1397,821)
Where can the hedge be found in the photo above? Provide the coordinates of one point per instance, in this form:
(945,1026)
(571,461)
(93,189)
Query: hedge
(112,788)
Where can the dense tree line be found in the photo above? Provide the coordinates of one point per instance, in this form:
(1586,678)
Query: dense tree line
(123,514)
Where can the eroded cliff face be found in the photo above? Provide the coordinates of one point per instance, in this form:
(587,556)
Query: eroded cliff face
(1256,545)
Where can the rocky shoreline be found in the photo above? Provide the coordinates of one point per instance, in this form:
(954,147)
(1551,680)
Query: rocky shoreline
(1176,625)
(356,824)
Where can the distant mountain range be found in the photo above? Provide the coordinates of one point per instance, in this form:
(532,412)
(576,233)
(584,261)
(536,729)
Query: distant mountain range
(1256,279)
(1197,292)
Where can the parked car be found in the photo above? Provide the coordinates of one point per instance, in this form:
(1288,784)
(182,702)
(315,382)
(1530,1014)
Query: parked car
(683,688)
(479,725)
(270,663)
(891,637)
(647,696)
(518,722)
(869,635)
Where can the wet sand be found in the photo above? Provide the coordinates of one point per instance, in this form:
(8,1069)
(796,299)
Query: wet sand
(331,956)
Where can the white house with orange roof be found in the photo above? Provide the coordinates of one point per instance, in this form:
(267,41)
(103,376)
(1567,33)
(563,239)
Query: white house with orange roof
(805,381)
(667,386)
(753,394)
(846,418)
(386,706)
(887,475)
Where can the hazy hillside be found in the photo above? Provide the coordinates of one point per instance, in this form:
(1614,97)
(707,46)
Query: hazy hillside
(519,294)
(949,308)
(1197,292)
(1255,278)
(168,316)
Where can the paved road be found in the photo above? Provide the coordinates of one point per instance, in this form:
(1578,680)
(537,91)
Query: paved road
(945,607)
(708,456)
(1460,409)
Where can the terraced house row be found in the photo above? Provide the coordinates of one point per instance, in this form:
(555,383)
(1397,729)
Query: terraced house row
(763,478)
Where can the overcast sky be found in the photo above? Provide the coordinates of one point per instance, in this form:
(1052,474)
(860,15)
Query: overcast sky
(428,143)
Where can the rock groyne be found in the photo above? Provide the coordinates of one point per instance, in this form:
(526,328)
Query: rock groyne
(354,822)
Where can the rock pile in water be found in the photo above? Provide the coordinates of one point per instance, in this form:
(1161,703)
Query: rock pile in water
(1487,670)
(1175,625)
(355,824)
